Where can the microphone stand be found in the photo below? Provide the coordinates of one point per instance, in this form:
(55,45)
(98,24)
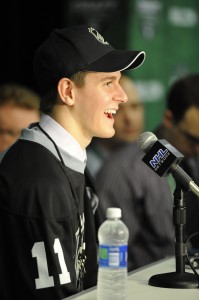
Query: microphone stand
(180,278)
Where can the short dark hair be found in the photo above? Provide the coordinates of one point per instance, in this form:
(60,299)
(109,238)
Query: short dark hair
(52,97)
(183,94)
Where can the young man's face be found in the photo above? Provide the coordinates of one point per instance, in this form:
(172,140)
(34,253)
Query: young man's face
(97,102)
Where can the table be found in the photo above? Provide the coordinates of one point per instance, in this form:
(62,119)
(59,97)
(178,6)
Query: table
(138,288)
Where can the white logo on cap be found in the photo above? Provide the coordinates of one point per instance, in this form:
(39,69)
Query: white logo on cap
(97,36)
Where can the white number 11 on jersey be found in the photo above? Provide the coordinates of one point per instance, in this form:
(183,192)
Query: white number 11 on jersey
(44,280)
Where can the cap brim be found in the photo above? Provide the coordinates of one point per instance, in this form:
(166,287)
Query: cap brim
(118,60)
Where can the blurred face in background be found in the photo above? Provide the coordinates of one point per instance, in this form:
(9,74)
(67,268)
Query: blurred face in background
(13,118)
(185,134)
(129,120)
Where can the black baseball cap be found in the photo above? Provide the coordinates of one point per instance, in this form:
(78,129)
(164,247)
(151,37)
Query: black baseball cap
(80,48)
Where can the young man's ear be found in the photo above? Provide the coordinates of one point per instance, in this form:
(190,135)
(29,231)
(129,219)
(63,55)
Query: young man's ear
(168,119)
(65,91)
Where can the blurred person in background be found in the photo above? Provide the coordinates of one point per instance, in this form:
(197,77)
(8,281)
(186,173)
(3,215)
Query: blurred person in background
(180,127)
(19,106)
(128,125)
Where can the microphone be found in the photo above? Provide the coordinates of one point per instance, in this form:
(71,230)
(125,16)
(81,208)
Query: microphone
(163,159)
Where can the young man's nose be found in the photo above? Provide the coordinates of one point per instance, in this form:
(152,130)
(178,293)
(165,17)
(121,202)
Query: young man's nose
(121,95)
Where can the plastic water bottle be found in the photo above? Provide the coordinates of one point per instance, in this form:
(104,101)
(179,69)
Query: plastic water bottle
(113,237)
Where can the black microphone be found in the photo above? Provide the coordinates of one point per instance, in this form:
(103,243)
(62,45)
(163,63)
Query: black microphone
(163,159)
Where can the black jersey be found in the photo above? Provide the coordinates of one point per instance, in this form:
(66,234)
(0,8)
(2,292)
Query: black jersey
(44,210)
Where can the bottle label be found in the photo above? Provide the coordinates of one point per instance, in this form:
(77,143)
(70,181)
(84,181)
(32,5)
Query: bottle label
(113,256)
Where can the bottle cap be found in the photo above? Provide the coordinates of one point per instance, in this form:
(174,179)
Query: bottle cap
(113,212)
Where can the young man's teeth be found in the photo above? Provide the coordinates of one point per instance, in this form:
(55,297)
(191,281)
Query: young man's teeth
(110,111)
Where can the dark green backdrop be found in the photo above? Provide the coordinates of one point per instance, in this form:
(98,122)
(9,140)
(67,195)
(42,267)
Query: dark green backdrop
(169,33)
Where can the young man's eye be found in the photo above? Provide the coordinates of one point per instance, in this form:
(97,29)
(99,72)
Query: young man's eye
(108,83)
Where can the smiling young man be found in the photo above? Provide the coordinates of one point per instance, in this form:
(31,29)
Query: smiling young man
(48,239)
